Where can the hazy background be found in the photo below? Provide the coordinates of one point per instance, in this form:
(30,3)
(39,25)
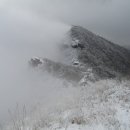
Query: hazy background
(109,18)
(34,27)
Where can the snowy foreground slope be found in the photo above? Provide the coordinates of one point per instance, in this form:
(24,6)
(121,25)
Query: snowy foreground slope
(103,105)
(89,87)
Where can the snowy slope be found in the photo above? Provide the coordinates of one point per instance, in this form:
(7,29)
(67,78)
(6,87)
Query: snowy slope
(103,105)
(106,58)
(86,92)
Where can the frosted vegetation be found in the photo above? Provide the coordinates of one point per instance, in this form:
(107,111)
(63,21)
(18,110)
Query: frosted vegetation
(104,104)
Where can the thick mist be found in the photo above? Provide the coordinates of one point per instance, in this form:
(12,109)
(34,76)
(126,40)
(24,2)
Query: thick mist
(34,28)
(109,18)
(23,35)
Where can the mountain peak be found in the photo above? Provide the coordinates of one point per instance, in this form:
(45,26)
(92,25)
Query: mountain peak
(83,50)
(104,56)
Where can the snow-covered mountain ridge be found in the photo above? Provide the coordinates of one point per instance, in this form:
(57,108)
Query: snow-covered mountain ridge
(106,58)
(88,93)
(82,51)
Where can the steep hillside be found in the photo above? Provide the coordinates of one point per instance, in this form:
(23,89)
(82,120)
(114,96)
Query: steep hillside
(104,57)
(82,51)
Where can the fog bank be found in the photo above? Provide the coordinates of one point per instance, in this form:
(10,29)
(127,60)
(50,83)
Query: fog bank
(23,35)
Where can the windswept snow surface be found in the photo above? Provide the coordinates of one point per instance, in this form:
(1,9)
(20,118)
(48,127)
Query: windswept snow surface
(103,105)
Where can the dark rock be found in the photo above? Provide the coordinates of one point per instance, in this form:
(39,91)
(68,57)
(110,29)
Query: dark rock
(35,62)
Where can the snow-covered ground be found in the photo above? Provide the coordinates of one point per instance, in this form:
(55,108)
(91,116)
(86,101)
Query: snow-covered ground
(103,105)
